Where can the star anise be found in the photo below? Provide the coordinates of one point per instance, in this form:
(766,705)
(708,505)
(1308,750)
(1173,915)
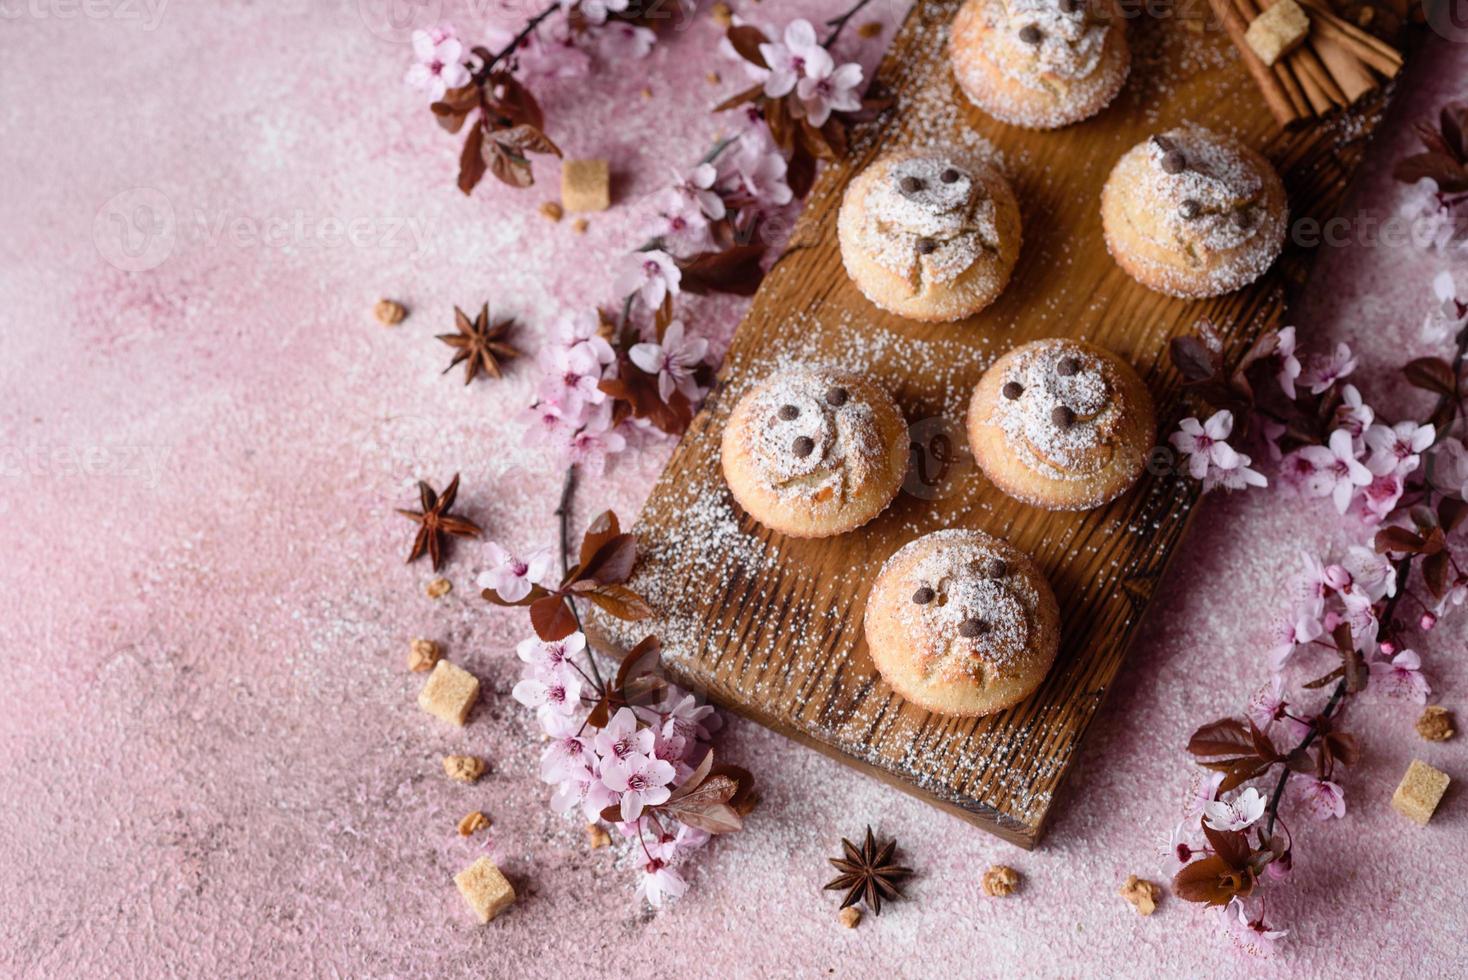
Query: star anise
(868,873)
(434,521)
(480,344)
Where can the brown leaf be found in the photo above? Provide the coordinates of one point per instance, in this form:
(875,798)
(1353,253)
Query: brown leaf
(800,174)
(642,657)
(514,102)
(1342,747)
(618,601)
(1211,881)
(746,40)
(707,807)
(1451,176)
(733,270)
(1435,572)
(752,94)
(471,159)
(552,618)
(603,528)
(1262,745)
(1398,539)
(1193,360)
(612,561)
(1454,120)
(1230,845)
(525,139)
(1227,736)
(1432,374)
(1451,512)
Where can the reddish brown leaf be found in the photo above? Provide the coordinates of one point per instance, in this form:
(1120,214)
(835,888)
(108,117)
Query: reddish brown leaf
(1342,747)
(603,528)
(611,562)
(619,601)
(1227,736)
(471,159)
(1398,539)
(1435,572)
(1230,845)
(1193,360)
(1431,374)
(746,40)
(733,270)
(536,592)
(1451,512)
(1451,176)
(707,807)
(642,657)
(552,618)
(1211,881)
(751,94)
(1262,745)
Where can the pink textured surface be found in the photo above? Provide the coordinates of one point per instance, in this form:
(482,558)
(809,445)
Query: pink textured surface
(210,757)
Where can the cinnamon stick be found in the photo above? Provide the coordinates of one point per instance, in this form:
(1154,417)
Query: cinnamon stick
(1347,70)
(1269,86)
(1379,55)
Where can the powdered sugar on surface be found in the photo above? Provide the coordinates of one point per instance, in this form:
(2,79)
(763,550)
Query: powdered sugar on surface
(211,762)
(921,226)
(1072,451)
(1069,46)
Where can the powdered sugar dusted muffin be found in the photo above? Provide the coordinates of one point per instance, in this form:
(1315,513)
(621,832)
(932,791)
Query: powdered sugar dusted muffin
(1061,424)
(813,453)
(930,234)
(962,623)
(1040,64)
(1193,213)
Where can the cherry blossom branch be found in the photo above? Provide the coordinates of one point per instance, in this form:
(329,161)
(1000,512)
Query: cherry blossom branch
(563,514)
(514,42)
(838,23)
(1275,798)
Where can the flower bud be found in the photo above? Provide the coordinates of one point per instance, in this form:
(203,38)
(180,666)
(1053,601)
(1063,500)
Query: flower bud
(1389,648)
(1427,622)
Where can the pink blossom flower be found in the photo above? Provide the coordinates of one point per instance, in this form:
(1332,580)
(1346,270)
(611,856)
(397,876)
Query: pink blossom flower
(1238,477)
(755,171)
(595,11)
(1327,370)
(673,361)
(572,375)
(659,884)
(1308,589)
(642,781)
(1299,475)
(622,737)
(1398,448)
(1372,575)
(1379,498)
(799,56)
(700,186)
(1448,315)
(1321,798)
(549,52)
(1455,595)
(596,442)
(1401,677)
(621,41)
(1268,706)
(551,659)
(566,759)
(1354,415)
(688,719)
(512,577)
(440,64)
(558,695)
(1205,445)
(651,275)
(546,424)
(1204,791)
(1340,473)
(681,226)
(1289,364)
(1235,814)
(826,90)
(1250,932)
(1289,633)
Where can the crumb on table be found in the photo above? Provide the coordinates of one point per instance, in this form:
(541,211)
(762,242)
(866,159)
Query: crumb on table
(1436,724)
(463,768)
(1000,880)
(439,588)
(1419,792)
(422,655)
(850,916)
(580,225)
(472,823)
(389,312)
(449,692)
(552,210)
(596,836)
(1143,894)
(485,889)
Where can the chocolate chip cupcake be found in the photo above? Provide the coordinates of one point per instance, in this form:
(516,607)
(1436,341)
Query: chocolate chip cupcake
(1193,213)
(1061,424)
(812,453)
(930,234)
(962,623)
(1040,64)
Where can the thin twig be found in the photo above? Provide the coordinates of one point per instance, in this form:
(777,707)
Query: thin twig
(1272,809)
(509,49)
(837,23)
(563,514)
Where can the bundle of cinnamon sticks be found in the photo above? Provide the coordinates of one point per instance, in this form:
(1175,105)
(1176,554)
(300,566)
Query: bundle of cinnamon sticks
(1337,64)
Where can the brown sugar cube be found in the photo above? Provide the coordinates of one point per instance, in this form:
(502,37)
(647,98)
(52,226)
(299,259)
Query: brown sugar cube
(1278,31)
(422,655)
(472,824)
(1419,792)
(1436,724)
(389,312)
(597,837)
(464,768)
(439,588)
(586,185)
(850,916)
(999,881)
(1143,894)
(449,693)
(485,889)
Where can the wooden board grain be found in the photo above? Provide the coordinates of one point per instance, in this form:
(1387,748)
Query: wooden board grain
(770,627)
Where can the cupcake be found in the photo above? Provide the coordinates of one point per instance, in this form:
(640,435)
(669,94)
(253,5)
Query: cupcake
(812,453)
(1061,424)
(1193,213)
(1039,64)
(929,234)
(962,623)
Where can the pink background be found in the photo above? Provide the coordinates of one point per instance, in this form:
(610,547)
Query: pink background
(210,756)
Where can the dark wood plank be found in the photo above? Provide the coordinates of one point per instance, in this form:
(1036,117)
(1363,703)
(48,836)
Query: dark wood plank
(770,627)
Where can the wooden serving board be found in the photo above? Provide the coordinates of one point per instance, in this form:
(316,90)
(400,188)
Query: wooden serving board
(771,627)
